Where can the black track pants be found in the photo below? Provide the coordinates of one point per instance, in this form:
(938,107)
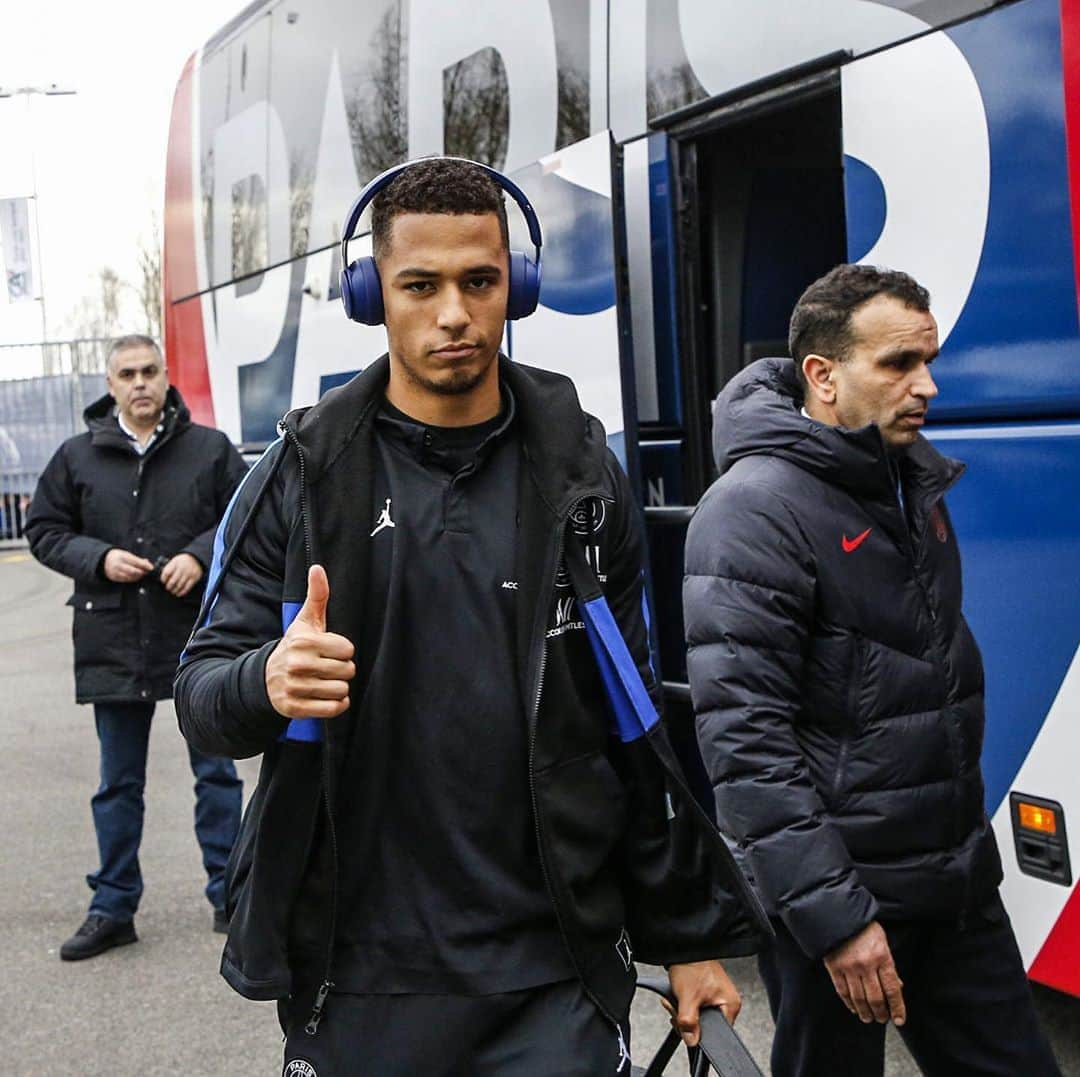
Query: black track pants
(969,1006)
(549,1031)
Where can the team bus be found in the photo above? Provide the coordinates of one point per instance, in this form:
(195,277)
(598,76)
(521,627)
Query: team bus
(696,163)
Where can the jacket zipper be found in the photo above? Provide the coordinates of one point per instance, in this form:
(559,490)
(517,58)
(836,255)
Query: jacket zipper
(838,771)
(951,735)
(563,520)
(294,441)
(144,692)
(316,1015)
(852,703)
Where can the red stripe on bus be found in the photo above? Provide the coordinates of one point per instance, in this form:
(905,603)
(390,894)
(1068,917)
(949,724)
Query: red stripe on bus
(1070,49)
(1057,964)
(185,343)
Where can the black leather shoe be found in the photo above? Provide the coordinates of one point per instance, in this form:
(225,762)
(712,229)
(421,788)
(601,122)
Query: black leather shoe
(98,934)
(221,922)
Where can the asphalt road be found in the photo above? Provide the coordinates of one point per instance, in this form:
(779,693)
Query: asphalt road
(159,1007)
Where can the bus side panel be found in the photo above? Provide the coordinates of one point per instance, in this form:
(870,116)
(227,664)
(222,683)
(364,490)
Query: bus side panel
(1070,57)
(1011,339)
(710,47)
(1018,523)
(1046,915)
(1057,964)
(185,341)
(574,330)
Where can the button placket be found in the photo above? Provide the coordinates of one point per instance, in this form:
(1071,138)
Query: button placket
(456,515)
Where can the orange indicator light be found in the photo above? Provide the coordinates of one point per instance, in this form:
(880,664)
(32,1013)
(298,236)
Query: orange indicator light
(1036,818)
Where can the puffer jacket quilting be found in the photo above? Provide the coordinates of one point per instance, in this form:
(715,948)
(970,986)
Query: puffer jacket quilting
(837,686)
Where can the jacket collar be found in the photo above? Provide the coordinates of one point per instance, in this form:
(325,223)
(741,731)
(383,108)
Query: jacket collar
(758,413)
(564,445)
(101,421)
(417,440)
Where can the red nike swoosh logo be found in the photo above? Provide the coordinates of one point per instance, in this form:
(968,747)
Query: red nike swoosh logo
(856,542)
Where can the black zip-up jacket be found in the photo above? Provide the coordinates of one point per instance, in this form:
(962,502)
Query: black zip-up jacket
(838,689)
(625,851)
(97,493)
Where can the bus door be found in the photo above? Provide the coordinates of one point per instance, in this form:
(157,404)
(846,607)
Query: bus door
(754,198)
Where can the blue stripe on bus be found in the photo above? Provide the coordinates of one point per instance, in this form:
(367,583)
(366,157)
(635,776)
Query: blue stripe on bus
(632,709)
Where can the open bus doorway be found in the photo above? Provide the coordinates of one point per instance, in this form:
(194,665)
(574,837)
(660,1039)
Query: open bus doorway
(764,197)
(760,214)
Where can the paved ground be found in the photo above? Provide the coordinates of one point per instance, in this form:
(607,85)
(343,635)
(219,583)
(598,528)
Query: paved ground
(159,1008)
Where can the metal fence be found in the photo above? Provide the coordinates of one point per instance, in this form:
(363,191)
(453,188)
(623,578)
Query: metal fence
(36,415)
(85,355)
(16,488)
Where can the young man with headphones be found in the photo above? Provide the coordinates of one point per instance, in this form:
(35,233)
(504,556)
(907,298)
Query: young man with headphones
(426,611)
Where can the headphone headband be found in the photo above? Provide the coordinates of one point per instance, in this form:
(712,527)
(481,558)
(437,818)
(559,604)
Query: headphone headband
(383,179)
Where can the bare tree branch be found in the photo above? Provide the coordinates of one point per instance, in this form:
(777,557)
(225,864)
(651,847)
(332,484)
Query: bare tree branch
(376,112)
(149,288)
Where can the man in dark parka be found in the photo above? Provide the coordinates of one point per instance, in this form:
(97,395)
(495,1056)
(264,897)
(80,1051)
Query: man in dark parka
(839,698)
(128,511)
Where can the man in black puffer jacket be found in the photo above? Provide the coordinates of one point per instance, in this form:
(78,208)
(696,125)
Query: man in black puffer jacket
(839,697)
(128,511)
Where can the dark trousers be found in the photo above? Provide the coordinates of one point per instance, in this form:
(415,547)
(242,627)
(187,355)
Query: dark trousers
(123,731)
(969,1006)
(554,1029)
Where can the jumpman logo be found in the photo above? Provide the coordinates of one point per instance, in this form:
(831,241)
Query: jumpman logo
(383,521)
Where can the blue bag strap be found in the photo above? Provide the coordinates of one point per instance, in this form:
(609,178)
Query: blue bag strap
(308,730)
(633,711)
(635,714)
(221,558)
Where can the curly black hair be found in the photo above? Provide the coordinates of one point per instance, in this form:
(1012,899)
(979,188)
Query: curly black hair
(436,185)
(821,320)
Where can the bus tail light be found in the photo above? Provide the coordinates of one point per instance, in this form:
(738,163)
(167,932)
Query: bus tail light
(1042,849)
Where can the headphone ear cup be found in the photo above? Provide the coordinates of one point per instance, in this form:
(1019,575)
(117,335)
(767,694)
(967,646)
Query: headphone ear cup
(524,286)
(361,292)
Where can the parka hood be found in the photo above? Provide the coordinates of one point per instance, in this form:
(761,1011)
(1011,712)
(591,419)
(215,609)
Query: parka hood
(99,416)
(758,413)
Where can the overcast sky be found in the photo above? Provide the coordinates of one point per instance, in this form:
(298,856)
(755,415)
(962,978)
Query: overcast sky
(101,154)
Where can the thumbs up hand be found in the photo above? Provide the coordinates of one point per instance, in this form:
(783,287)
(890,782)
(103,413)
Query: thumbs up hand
(308,672)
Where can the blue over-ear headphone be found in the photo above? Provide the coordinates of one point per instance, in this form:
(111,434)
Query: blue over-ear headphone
(361,290)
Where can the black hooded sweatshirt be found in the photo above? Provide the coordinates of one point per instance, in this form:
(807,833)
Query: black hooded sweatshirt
(628,860)
(451,899)
(837,687)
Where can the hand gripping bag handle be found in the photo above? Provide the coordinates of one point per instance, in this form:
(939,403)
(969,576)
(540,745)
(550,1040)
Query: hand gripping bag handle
(720,1046)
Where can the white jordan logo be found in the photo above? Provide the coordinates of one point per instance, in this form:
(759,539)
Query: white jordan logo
(383,521)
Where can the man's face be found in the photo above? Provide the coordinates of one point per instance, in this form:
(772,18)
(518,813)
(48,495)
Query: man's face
(445,284)
(886,380)
(138,382)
